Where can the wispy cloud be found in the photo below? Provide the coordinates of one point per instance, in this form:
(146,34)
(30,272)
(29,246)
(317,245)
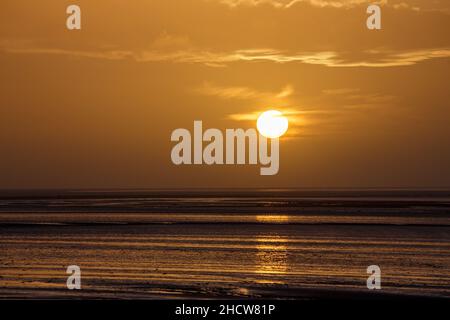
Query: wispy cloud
(279,100)
(293,114)
(319,3)
(390,58)
(235,92)
(417,6)
(330,113)
(371,58)
(290,3)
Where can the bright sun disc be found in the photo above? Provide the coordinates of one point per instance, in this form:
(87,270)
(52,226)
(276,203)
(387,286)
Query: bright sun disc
(272,124)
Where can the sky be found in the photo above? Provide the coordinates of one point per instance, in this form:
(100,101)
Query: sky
(95,108)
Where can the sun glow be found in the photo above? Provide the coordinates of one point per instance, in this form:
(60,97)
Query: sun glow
(272,124)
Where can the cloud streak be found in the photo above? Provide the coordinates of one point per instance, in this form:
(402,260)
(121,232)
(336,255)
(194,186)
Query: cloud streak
(290,3)
(370,58)
(345,4)
(236,92)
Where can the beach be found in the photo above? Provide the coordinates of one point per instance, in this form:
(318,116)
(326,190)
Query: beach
(203,245)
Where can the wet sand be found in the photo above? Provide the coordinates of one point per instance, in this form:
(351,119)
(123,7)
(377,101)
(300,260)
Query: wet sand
(254,247)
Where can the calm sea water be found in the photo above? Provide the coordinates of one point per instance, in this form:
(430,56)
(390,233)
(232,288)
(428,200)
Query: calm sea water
(294,244)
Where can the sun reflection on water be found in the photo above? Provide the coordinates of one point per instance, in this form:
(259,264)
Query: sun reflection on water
(271,256)
(272,218)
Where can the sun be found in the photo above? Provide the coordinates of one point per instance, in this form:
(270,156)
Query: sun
(272,124)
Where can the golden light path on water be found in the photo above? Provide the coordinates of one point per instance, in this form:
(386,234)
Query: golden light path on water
(272,256)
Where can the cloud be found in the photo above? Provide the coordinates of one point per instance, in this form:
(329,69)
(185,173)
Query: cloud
(346,4)
(417,5)
(389,58)
(243,92)
(290,3)
(172,52)
(279,100)
(293,115)
(328,113)
(222,59)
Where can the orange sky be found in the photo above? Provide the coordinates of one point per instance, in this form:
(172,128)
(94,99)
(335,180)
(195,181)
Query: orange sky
(95,108)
